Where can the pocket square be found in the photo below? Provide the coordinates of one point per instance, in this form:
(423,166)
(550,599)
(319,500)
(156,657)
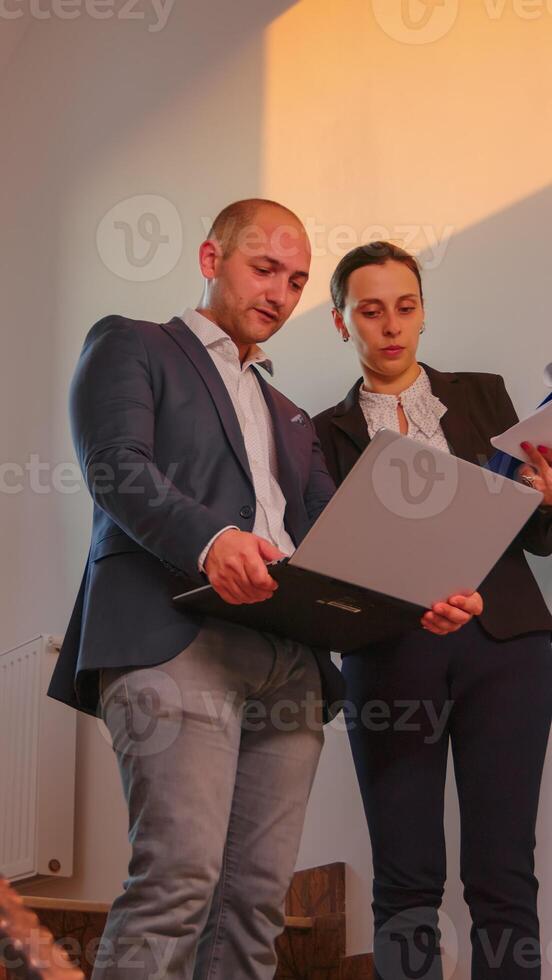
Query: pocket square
(299,418)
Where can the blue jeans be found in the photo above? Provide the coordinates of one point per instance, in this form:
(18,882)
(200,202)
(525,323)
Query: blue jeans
(217,751)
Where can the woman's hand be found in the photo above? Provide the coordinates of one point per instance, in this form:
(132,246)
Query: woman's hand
(450,616)
(540,473)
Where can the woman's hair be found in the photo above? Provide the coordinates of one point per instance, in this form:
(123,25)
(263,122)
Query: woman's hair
(375,253)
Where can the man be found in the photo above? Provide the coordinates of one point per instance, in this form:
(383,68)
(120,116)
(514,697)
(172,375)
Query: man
(197,466)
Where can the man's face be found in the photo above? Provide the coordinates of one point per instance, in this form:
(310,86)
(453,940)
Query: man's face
(255,289)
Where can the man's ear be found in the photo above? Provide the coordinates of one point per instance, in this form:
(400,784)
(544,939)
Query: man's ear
(339,324)
(210,257)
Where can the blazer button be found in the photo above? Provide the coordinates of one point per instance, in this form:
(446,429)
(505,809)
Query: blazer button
(246,512)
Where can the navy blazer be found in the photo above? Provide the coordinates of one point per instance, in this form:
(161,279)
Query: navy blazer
(478,407)
(162,453)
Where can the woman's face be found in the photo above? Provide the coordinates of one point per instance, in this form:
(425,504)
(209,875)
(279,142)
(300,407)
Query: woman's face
(383,315)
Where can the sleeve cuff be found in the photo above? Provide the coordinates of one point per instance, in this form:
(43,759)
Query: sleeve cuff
(203,555)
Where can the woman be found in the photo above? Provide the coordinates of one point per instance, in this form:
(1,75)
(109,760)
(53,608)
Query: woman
(489,684)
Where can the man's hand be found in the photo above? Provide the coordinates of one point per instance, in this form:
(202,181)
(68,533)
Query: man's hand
(539,475)
(450,616)
(236,567)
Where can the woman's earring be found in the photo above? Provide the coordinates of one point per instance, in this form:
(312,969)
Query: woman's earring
(345,337)
(423,328)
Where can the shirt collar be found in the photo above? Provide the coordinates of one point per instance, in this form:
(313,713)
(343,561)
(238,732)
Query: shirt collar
(212,335)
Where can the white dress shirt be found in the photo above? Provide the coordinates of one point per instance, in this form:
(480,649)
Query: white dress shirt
(255,423)
(422,408)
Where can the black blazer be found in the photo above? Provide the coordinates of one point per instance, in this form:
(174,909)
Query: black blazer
(163,456)
(479,407)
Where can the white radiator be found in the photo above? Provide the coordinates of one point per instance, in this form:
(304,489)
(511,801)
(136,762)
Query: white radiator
(37,770)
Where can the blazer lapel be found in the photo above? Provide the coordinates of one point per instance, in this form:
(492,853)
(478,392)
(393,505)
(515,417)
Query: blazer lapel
(456,423)
(348,417)
(199,356)
(281,425)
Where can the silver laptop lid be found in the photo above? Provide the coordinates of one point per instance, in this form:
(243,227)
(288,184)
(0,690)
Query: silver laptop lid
(415,522)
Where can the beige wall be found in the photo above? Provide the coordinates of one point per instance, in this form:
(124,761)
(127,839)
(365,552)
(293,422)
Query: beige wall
(444,146)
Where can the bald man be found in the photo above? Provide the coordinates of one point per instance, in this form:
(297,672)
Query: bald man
(199,467)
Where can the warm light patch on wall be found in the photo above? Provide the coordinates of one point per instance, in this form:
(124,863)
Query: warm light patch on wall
(382,121)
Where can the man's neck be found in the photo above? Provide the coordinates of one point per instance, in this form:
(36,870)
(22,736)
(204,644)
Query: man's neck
(243,349)
(381,385)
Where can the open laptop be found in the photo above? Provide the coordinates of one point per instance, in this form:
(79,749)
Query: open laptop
(409,526)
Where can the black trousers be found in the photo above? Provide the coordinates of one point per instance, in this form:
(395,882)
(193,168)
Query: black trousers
(493,700)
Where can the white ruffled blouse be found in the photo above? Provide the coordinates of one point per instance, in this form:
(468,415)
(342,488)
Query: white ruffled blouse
(422,408)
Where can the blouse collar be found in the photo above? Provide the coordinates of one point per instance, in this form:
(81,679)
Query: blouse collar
(420,405)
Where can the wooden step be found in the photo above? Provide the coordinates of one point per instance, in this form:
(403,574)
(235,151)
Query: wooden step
(302,922)
(317,955)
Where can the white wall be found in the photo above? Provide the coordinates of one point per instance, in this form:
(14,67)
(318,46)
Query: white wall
(312,103)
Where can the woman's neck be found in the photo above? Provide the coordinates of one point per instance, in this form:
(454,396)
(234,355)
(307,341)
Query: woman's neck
(381,385)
